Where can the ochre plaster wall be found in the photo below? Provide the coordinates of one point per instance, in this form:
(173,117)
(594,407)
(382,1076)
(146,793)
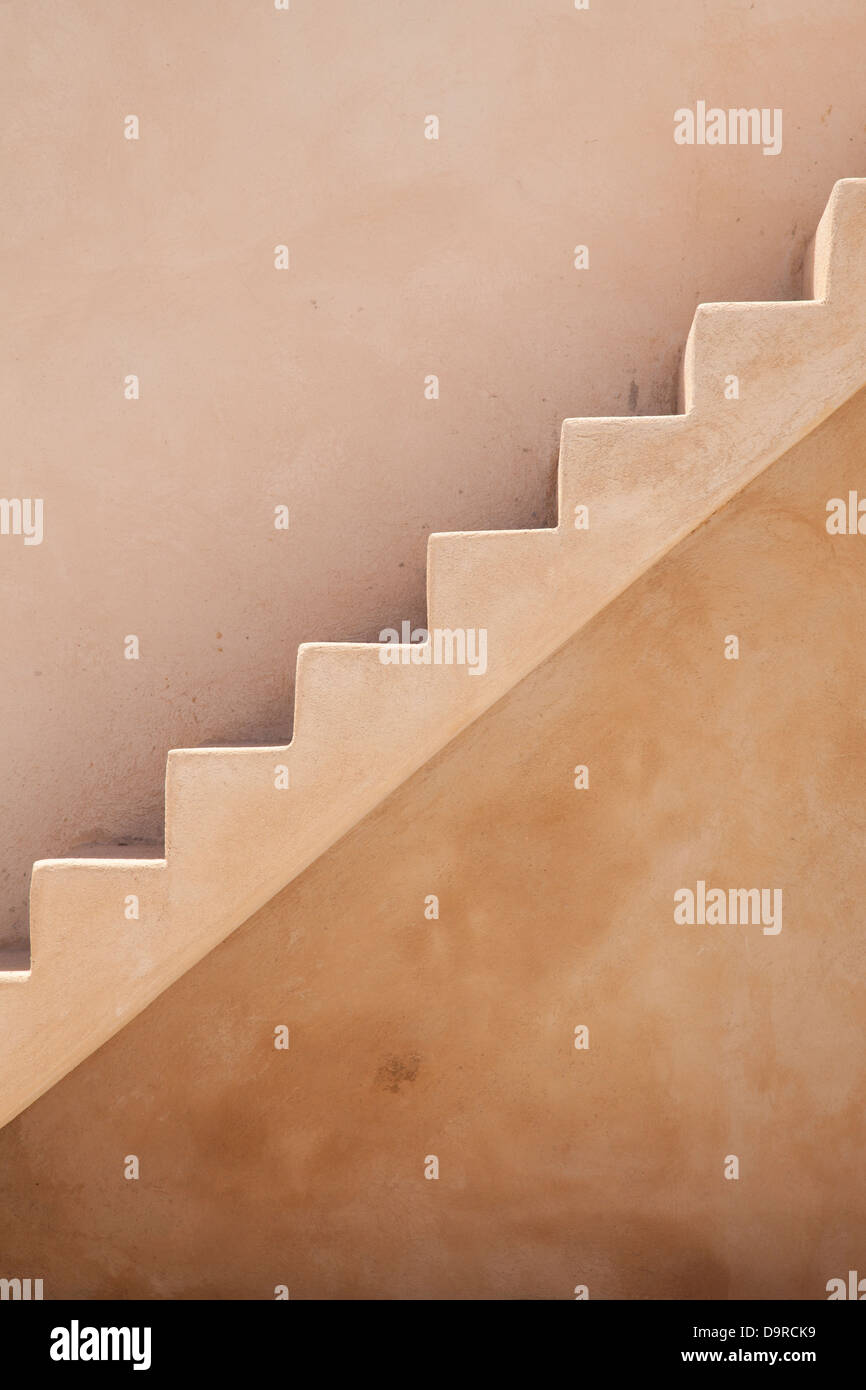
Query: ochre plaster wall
(306,388)
(413,1037)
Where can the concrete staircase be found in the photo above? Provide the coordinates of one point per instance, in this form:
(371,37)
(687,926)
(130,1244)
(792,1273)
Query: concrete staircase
(234,835)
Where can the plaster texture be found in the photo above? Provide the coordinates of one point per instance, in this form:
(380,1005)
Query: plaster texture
(408,257)
(241,823)
(454,1037)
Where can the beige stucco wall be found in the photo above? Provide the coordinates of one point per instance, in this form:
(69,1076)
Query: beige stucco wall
(454,1037)
(408,257)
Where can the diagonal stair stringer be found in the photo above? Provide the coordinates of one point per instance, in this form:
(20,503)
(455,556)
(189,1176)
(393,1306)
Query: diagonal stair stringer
(235,834)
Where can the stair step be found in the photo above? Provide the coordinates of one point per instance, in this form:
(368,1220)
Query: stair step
(14,963)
